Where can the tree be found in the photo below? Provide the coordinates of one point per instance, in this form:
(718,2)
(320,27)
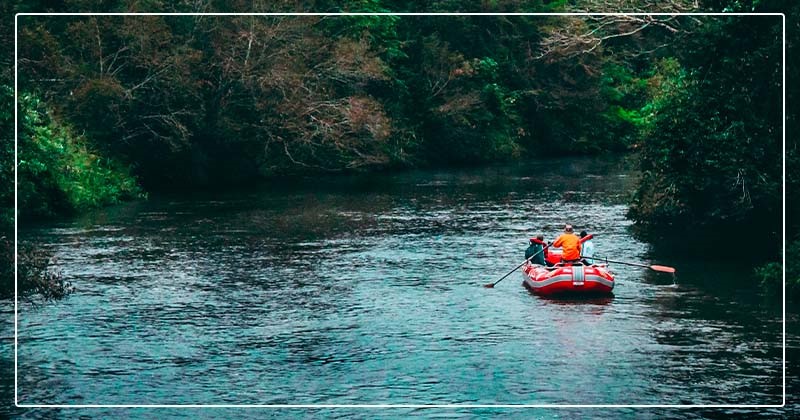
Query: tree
(709,158)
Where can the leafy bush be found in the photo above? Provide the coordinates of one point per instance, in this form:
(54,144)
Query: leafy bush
(58,173)
(713,139)
(58,170)
(770,275)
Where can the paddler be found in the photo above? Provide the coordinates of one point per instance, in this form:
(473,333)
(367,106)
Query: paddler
(536,250)
(587,249)
(570,244)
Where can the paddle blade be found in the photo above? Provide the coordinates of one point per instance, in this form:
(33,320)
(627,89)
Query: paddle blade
(662,268)
(489,286)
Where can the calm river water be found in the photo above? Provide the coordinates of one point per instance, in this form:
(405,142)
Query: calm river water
(367,290)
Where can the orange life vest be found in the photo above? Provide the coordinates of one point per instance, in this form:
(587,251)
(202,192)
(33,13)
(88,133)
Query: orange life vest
(571,246)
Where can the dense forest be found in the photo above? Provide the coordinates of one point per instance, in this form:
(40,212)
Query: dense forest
(111,107)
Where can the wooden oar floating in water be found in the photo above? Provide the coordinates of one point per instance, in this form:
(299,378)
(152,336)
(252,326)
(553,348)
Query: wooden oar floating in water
(659,268)
(491,285)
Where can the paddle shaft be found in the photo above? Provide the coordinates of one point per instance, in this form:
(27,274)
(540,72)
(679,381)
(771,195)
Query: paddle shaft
(661,268)
(521,264)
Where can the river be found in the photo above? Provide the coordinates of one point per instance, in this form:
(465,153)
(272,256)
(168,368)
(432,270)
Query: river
(367,290)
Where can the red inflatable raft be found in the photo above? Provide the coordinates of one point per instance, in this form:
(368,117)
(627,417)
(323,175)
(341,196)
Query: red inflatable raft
(565,279)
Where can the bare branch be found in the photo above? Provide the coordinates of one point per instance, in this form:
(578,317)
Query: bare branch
(576,36)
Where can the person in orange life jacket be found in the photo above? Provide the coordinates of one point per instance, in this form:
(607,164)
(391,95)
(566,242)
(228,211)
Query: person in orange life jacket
(570,245)
(535,248)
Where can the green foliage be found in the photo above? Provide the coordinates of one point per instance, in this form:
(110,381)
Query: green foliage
(6,160)
(487,68)
(223,100)
(625,95)
(59,172)
(473,117)
(770,275)
(199,101)
(712,145)
(380,30)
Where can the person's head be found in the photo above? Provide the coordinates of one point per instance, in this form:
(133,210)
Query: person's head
(583,234)
(568,228)
(540,237)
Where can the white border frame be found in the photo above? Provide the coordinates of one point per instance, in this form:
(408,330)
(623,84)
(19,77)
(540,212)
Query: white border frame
(783,235)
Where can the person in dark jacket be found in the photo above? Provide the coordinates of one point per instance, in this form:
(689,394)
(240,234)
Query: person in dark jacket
(536,250)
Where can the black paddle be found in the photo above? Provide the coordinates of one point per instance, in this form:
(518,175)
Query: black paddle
(491,285)
(659,268)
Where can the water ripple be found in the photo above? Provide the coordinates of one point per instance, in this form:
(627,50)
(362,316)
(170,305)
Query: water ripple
(372,294)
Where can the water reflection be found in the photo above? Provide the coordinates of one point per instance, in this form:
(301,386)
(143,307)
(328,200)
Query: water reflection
(599,302)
